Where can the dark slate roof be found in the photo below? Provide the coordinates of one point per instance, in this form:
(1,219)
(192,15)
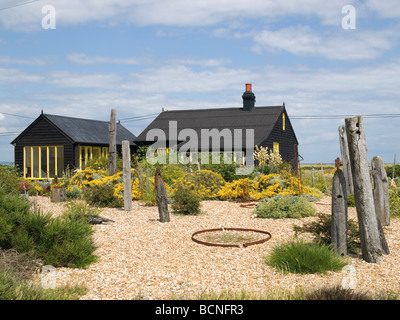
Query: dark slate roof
(261,119)
(85,130)
(89,131)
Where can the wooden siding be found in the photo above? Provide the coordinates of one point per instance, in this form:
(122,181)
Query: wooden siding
(43,133)
(286,138)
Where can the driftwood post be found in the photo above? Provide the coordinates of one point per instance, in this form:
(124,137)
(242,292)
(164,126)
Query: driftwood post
(161,197)
(339,213)
(58,194)
(126,171)
(373,242)
(344,150)
(381,191)
(112,149)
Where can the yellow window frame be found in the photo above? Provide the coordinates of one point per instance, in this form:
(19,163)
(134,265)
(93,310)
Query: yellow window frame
(103,152)
(276,147)
(283,122)
(40,162)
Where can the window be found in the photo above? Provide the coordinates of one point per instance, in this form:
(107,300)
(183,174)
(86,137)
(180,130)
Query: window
(276,147)
(43,162)
(83,154)
(283,122)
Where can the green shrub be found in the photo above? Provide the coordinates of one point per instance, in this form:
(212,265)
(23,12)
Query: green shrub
(185,201)
(336,292)
(301,257)
(394,202)
(321,230)
(389,171)
(280,207)
(59,241)
(75,193)
(102,196)
(68,242)
(9,179)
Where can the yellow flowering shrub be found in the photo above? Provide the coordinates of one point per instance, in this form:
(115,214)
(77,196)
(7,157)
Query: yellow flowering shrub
(265,186)
(205,183)
(238,189)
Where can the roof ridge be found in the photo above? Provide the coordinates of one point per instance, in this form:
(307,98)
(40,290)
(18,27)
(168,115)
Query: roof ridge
(230,108)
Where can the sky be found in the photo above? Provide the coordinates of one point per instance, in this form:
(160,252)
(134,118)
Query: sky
(327,60)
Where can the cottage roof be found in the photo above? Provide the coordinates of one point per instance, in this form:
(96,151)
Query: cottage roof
(80,130)
(261,119)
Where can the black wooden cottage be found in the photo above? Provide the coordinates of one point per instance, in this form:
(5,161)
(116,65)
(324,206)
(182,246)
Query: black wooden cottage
(271,125)
(51,143)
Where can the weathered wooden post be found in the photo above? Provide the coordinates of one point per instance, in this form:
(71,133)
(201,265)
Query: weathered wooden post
(381,191)
(373,242)
(339,213)
(58,194)
(344,150)
(148,181)
(126,171)
(141,175)
(112,149)
(161,197)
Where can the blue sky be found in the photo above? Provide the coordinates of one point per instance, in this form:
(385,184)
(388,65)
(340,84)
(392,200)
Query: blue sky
(141,56)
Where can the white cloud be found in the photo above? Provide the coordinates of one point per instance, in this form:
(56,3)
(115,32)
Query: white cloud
(22,61)
(384,8)
(345,45)
(184,79)
(67,79)
(168,12)
(8,75)
(82,58)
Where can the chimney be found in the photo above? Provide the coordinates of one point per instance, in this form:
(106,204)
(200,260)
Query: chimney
(249,98)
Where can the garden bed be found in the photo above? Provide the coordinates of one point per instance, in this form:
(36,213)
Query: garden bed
(143,258)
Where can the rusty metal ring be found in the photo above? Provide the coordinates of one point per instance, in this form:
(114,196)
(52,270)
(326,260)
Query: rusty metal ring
(231,245)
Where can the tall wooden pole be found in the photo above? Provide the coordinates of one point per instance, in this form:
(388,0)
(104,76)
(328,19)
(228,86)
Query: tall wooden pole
(112,149)
(371,234)
(344,150)
(126,165)
(339,213)
(381,191)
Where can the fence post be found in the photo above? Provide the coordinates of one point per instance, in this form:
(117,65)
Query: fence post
(339,213)
(371,234)
(126,168)
(344,150)
(112,149)
(381,191)
(161,197)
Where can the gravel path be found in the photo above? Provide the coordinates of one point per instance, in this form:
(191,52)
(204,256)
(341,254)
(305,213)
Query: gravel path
(143,258)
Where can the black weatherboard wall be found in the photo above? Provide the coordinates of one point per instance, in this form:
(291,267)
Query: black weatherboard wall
(70,133)
(42,132)
(286,138)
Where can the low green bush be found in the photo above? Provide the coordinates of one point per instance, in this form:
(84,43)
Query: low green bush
(9,179)
(60,241)
(186,201)
(102,196)
(394,202)
(75,193)
(321,230)
(281,207)
(336,292)
(303,258)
